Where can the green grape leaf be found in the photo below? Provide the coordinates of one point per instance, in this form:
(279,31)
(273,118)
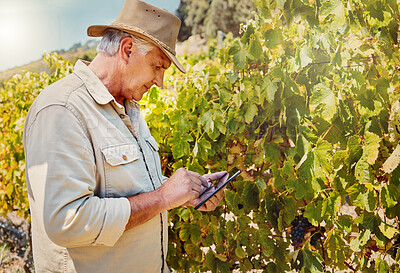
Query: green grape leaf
(354,148)
(323,95)
(376,11)
(362,197)
(335,246)
(194,252)
(237,100)
(302,188)
(313,261)
(195,233)
(339,158)
(267,244)
(290,210)
(239,55)
(203,146)
(331,7)
(272,152)
(261,184)
(240,252)
(388,230)
(251,195)
(180,149)
(363,171)
(345,222)
(313,212)
(371,147)
(232,199)
(358,76)
(381,266)
(273,37)
(223,267)
(269,88)
(207,121)
(184,214)
(364,237)
(255,49)
(355,245)
(331,205)
(389,195)
(250,113)
(247,34)
(316,164)
(210,261)
(305,56)
(393,161)
(184,232)
(10,190)
(219,121)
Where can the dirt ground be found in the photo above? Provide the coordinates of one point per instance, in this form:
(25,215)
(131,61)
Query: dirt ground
(13,244)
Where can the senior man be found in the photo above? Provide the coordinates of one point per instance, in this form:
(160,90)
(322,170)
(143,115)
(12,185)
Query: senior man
(97,195)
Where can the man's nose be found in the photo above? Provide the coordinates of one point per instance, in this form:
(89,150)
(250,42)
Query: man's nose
(159,79)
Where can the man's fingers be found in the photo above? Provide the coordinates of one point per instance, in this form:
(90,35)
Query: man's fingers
(215,176)
(202,180)
(214,201)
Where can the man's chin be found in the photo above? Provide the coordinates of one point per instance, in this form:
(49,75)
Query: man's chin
(137,97)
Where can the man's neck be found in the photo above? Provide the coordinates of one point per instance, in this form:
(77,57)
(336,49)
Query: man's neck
(106,69)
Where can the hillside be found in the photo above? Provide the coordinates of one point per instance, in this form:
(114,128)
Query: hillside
(78,51)
(193,45)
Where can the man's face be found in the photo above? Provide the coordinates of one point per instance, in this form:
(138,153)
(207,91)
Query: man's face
(142,72)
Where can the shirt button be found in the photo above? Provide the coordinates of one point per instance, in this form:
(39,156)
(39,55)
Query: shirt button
(124,157)
(122,116)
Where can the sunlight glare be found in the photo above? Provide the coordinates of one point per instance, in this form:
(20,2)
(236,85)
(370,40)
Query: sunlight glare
(11,29)
(5,33)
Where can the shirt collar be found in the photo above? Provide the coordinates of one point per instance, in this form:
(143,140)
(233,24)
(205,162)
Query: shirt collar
(93,84)
(95,87)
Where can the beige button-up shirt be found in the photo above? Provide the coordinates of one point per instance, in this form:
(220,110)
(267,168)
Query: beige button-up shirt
(84,154)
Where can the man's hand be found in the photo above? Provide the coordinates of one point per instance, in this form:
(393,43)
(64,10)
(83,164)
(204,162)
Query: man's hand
(214,201)
(181,187)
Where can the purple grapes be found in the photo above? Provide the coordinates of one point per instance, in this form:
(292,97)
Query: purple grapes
(300,227)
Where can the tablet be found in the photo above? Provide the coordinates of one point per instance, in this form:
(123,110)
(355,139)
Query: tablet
(235,172)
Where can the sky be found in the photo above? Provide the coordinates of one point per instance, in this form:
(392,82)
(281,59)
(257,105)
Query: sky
(28,28)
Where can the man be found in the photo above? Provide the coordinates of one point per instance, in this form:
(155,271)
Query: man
(97,195)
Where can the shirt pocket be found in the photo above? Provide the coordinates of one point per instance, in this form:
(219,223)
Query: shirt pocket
(124,170)
(155,157)
(121,154)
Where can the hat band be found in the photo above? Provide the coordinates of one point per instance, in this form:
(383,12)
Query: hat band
(128,28)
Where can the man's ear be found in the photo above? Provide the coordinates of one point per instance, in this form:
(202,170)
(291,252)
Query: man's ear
(126,48)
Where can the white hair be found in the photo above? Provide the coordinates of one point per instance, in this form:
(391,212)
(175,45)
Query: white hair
(111,40)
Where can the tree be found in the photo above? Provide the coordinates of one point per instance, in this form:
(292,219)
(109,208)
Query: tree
(227,16)
(193,14)
(209,16)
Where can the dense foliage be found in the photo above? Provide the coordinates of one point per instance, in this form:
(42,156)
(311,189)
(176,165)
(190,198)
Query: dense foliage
(306,104)
(16,97)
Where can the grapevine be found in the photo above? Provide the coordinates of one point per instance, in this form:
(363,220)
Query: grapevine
(306,103)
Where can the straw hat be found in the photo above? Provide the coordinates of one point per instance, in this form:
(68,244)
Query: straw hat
(148,22)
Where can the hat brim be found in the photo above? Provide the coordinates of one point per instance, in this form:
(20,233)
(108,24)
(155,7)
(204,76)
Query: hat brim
(98,31)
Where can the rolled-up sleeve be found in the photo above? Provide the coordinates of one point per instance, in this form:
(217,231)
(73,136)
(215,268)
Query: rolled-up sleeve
(61,176)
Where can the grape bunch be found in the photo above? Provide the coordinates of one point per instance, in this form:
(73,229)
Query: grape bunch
(302,227)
